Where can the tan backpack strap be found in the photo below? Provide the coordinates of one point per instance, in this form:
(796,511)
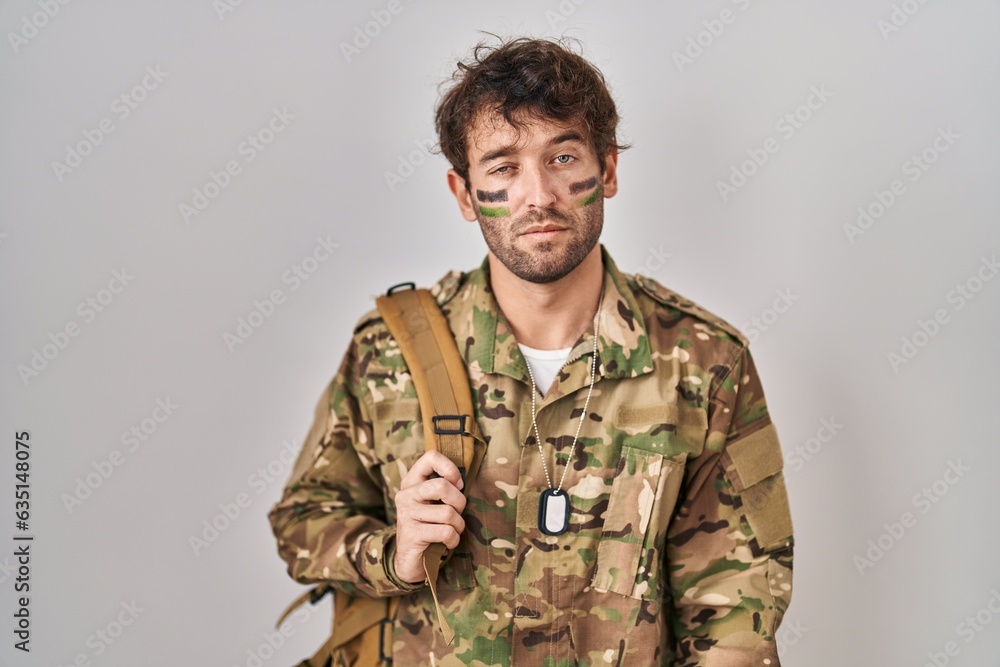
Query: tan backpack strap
(386,628)
(439,375)
(415,320)
(352,616)
(442,382)
(294,605)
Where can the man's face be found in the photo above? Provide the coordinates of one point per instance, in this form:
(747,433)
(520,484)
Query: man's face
(538,196)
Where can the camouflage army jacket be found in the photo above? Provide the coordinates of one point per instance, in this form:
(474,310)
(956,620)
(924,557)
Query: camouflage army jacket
(679,548)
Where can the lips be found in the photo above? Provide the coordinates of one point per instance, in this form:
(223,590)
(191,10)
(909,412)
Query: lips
(543,228)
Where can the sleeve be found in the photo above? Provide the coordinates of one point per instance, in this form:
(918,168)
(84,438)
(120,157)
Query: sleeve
(330,523)
(729,548)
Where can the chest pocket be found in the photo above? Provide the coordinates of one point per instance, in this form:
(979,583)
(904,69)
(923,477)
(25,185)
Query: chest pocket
(643,497)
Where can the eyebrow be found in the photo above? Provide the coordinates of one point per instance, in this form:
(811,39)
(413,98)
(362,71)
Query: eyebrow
(510,149)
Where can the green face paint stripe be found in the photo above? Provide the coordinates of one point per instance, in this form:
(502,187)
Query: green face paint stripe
(582,186)
(592,198)
(496,195)
(498,212)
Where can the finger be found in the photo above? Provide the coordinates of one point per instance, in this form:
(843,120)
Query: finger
(429,492)
(441,491)
(427,465)
(430,523)
(438,514)
(437,532)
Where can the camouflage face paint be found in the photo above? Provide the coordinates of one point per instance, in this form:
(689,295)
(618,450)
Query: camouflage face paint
(583,186)
(496,195)
(594,196)
(498,212)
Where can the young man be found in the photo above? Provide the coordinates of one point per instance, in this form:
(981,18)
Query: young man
(630,508)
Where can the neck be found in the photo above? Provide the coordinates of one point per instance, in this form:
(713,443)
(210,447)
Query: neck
(549,316)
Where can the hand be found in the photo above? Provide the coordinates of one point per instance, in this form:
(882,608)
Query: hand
(420,521)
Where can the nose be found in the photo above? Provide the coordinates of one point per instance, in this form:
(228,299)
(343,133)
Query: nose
(541,189)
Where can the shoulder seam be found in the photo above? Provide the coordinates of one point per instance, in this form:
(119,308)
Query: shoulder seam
(730,365)
(662,295)
(368,317)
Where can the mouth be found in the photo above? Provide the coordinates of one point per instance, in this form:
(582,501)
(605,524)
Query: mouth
(543,231)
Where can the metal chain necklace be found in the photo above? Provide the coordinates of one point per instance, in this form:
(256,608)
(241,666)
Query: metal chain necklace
(553,504)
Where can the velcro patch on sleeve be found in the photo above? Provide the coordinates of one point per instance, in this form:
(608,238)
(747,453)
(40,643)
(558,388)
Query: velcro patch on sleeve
(754,467)
(755,457)
(765,506)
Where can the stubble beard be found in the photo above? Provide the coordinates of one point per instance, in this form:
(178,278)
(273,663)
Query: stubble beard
(547,261)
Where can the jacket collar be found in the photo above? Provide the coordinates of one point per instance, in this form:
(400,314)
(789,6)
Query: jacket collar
(488,345)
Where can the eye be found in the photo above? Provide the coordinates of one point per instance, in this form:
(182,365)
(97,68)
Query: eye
(501,170)
(567,161)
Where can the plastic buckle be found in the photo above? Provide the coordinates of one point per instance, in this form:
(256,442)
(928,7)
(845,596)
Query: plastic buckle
(389,291)
(450,431)
(381,639)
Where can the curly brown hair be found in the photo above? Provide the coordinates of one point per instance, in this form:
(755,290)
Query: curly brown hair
(538,78)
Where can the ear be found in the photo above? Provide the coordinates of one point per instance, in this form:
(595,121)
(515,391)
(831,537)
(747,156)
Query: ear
(611,173)
(462,195)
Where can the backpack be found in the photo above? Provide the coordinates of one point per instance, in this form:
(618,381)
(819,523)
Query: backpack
(362,627)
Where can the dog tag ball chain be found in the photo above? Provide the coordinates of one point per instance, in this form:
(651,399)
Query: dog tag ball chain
(553,504)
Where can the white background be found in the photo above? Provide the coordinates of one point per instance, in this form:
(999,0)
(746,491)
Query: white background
(854,298)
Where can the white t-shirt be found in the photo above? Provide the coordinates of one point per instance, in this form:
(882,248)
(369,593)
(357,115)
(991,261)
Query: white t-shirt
(544,364)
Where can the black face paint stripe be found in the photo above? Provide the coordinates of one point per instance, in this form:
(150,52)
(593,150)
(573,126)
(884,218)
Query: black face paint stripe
(497,195)
(582,186)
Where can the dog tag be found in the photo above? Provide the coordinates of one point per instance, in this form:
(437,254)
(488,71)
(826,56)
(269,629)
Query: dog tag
(553,512)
